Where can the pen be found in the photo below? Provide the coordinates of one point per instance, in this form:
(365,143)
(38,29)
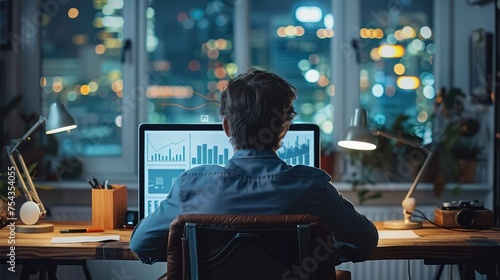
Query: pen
(90,183)
(74,230)
(98,186)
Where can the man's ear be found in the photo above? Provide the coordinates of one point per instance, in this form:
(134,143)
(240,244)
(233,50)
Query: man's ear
(225,125)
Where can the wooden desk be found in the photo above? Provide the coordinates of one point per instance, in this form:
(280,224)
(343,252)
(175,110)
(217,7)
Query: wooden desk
(470,249)
(441,244)
(435,246)
(36,246)
(36,253)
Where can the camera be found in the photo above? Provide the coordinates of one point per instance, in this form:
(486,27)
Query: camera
(453,205)
(464,214)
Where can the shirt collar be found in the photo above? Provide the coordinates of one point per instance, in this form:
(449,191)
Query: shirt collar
(252,153)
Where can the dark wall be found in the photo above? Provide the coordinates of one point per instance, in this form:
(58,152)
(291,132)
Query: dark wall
(496,164)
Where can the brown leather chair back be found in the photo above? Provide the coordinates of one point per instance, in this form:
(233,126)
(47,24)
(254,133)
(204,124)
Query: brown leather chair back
(205,246)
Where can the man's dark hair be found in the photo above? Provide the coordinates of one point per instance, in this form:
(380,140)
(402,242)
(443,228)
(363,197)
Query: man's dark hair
(259,108)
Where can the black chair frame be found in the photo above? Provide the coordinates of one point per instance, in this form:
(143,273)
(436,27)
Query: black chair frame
(242,236)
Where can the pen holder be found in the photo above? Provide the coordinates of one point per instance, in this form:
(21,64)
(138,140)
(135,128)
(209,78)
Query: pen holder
(109,207)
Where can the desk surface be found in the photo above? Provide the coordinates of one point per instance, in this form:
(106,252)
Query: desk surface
(30,246)
(433,244)
(436,244)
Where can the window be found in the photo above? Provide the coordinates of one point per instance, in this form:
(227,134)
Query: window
(387,54)
(190,50)
(183,53)
(82,55)
(292,39)
(192,54)
(395,52)
(81,67)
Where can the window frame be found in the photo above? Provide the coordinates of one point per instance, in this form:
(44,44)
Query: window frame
(124,167)
(121,168)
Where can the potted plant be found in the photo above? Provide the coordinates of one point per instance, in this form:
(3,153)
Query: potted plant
(467,155)
(329,160)
(454,130)
(361,168)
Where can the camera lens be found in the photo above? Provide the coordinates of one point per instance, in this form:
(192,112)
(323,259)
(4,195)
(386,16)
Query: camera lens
(464,217)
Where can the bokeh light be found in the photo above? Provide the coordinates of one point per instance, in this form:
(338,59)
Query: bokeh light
(425,32)
(73,13)
(85,89)
(312,76)
(399,69)
(408,82)
(377,90)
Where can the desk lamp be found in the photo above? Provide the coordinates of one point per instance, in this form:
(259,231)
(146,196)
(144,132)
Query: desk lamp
(32,210)
(359,137)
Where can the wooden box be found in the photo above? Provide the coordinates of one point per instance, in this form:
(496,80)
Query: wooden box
(109,207)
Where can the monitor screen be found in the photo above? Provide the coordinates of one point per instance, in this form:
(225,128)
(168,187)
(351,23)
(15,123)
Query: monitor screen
(166,150)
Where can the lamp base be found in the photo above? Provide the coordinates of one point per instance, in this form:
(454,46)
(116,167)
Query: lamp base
(401,224)
(36,228)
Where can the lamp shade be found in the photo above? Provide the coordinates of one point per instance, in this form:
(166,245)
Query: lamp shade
(59,119)
(358,136)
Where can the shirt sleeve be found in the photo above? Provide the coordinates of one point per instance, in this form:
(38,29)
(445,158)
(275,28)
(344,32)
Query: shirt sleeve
(355,235)
(149,238)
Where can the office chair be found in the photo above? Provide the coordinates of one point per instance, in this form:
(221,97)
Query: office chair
(205,246)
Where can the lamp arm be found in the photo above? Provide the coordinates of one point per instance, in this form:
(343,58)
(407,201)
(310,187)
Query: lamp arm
(430,153)
(27,194)
(16,142)
(414,144)
(31,187)
(401,139)
(28,188)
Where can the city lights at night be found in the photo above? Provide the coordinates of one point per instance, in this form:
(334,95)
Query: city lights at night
(191,56)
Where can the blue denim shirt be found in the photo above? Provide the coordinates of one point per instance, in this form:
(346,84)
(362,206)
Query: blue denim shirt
(256,182)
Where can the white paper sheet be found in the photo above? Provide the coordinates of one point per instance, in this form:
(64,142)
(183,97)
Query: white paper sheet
(396,234)
(85,238)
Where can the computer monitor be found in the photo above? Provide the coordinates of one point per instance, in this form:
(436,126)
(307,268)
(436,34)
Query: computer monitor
(166,150)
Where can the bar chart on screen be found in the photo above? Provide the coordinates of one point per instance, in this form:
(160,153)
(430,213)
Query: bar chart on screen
(209,149)
(296,151)
(205,154)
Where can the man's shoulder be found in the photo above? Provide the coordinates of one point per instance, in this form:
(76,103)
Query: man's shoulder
(309,171)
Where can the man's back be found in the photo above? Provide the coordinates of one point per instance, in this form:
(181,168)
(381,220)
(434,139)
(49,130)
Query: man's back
(259,182)
(254,182)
